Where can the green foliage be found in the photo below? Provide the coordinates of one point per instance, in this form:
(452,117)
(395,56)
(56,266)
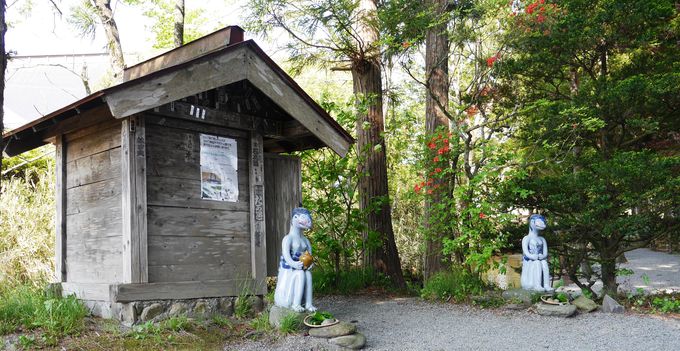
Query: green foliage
(196,24)
(27,308)
(261,322)
(290,324)
(319,316)
(456,285)
(347,281)
(242,306)
(176,324)
(601,90)
(222,321)
(667,304)
(27,228)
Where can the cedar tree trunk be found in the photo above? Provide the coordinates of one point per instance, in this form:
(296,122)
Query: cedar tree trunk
(103,8)
(178,15)
(437,74)
(373,190)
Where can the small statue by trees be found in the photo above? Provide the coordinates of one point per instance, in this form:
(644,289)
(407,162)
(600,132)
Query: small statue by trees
(295,279)
(535,272)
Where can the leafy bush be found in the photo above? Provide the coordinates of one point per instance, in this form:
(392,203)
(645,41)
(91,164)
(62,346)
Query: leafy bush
(176,324)
(456,285)
(667,304)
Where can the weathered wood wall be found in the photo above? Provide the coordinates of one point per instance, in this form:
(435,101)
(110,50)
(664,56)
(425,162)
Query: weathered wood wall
(191,239)
(283,193)
(93,205)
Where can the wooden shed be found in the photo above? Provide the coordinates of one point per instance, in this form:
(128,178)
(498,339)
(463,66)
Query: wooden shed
(170,186)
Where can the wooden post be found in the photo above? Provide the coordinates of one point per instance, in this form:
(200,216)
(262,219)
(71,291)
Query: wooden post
(257,216)
(133,167)
(60,220)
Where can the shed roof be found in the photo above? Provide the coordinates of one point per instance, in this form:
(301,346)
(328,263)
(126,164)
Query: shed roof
(216,60)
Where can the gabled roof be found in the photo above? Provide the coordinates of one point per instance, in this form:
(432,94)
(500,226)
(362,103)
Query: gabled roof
(189,70)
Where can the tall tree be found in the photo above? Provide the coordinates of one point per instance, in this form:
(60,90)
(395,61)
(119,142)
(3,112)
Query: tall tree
(345,34)
(178,16)
(601,82)
(85,18)
(437,86)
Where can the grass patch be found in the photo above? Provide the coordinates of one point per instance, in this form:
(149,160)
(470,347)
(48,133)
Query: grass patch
(26,308)
(242,305)
(457,285)
(222,321)
(290,324)
(261,323)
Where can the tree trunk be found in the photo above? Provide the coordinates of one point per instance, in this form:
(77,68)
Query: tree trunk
(178,15)
(437,73)
(105,14)
(3,66)
(380,250)
(609,276)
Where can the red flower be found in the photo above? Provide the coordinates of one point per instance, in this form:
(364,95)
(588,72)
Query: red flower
(436,159)
(540,19)
(541,1)
(446,141)
(482,215)
(417,188)
(437,170)
(429,191)
(491,60)
(405,45)
(429,182)
(432,146)
(441,151)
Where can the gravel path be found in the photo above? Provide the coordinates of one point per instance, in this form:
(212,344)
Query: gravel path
(413,324)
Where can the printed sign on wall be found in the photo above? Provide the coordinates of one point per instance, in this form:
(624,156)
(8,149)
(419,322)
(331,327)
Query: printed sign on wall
(219,168)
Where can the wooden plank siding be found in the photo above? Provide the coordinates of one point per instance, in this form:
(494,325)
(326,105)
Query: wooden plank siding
(283,192)
(60,218)
(93,206)
(189,238)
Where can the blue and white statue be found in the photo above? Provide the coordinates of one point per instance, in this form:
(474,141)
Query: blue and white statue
(535,272)
(295,279)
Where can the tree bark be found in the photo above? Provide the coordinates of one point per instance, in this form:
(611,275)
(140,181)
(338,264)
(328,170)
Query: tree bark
(178,15)
(437,80)
(105,14)
(3,66)
(373,188)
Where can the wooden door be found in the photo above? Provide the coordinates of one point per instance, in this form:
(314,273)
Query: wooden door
(282,193)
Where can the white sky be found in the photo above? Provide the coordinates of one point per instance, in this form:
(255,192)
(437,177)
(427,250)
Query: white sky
(36,86)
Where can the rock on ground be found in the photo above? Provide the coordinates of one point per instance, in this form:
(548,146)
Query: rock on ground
(354,341)
(333,331)
(609,305)
(564,311)
(278,313)
(150,312)
(585,304)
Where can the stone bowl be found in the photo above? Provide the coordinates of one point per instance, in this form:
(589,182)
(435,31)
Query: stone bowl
(306,321)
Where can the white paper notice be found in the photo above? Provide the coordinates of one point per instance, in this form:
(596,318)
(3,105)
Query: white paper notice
(219,168)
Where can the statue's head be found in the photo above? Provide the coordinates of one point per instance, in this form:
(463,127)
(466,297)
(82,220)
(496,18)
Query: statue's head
(537,221)
(301,218)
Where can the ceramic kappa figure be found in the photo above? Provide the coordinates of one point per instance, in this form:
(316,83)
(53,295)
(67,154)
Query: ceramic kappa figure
(535,272)
(294,283)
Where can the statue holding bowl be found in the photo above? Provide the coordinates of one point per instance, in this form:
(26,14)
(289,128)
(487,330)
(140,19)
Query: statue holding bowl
(535,271)
(294,283)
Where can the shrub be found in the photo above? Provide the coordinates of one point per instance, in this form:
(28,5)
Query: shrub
(456,285)
(346,282)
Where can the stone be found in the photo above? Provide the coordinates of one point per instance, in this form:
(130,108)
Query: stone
(226,306)
(128,313)
(278,313)
(256,303)
(333,331)
(585,304)
(564,311)
(609,305)
(150,312)
(177,309)
(354,341)
(201,308)
(520,295)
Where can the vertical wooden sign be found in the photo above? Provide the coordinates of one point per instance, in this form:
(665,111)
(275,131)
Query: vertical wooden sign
(257,216)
